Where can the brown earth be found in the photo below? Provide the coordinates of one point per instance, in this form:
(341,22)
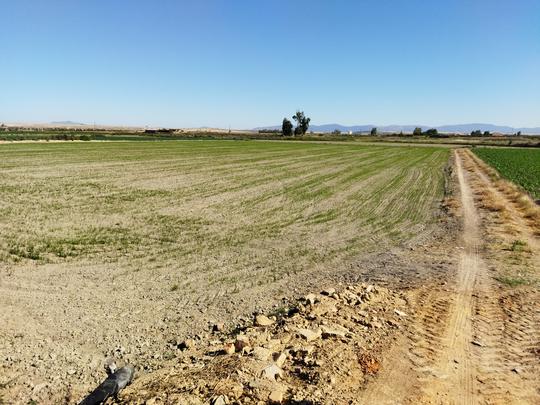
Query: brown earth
(453,317)
(476,341)
(121,249)
(455,330)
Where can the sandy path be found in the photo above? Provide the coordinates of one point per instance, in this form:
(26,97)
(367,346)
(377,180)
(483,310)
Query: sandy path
(454,373)
(470,340)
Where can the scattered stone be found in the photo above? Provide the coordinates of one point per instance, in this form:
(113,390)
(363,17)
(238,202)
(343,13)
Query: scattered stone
(262,320)
(229,348)
(400,313)
(477,343)
(318,341)
(308,334)
(186,344)
(220,400)
(328,291)
(260,353)
(335,331)
(275,397)
(280,358)
(218,327)
(110,365)
(310,299)
(271,372)
(241,344)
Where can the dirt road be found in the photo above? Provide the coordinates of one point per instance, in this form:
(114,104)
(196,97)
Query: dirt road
(471,340)
(455,370)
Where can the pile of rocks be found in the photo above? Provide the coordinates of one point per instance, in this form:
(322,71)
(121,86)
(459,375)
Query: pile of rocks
(319,350)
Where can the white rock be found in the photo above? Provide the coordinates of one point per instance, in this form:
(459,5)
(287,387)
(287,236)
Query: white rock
(260,353)
(220,400)
(310,299)
(328,291)
(271,372)
(334,331)
(309,334)
(400,313)
(262,320)
(229,348)
(280,358)
(276,397)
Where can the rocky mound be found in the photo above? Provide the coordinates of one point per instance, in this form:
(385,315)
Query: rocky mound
(320,350)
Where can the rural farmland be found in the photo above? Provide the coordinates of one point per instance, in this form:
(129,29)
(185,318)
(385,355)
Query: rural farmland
(270,203)
(129,244)
(155,254)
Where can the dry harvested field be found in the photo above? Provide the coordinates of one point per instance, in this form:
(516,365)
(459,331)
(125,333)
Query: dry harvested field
(119,248)
(422,264)
(467,334)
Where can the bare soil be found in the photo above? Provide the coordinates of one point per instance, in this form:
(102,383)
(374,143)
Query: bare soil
(454,336)
(452,315)
(476,341)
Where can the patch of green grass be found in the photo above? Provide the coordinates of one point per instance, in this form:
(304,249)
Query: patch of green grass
(518,246)
(26,251)
(511,281)
(279,312)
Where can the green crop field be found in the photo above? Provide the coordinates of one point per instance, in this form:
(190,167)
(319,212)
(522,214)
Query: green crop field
(521,166)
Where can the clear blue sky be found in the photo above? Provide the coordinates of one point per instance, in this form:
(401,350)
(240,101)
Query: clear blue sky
(250,63)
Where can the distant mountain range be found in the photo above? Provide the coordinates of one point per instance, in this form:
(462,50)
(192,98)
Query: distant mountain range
(458,128)
(66,123)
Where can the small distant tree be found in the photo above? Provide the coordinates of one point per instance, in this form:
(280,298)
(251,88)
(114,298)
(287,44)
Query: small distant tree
(518,133)
(432,132)
(373,131)
(487,133)
(476,133)
(286,127)
(302,123)
(336,132)
(417,131)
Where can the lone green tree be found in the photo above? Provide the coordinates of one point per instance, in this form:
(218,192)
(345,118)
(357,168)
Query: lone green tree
(373,131)
(302,123)
(286,127)
(417,131)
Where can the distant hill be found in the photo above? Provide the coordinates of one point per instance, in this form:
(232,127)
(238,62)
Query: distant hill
(66,123)
(457,128)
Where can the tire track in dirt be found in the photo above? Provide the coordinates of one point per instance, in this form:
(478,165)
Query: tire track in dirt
(464,345)
(507,322)
(453,377)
